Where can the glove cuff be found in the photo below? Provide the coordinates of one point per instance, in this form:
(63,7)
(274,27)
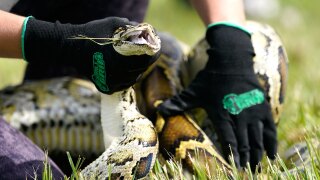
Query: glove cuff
(44,40)
(226,23)
(23,32)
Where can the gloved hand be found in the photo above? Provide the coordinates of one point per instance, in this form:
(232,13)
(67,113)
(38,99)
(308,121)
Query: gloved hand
(109,70)
(228,89)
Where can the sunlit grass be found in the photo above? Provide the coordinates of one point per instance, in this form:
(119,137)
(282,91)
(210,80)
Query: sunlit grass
(174,170)
(176,17)
(11,71)
(276,169)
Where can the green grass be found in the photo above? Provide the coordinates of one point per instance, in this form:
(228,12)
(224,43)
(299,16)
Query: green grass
(173,170)
(47,171)
(177,18)
(11,71)
(276,169)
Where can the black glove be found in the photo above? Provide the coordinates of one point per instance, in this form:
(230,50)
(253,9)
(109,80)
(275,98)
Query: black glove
(228,89)
(109,70)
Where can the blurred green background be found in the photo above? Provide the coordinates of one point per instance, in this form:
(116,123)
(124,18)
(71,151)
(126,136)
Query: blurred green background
(296,21)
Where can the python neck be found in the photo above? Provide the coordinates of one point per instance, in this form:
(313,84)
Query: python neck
(111,120)
(116,110)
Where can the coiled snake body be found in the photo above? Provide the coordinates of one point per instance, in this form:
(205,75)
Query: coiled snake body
(63,113)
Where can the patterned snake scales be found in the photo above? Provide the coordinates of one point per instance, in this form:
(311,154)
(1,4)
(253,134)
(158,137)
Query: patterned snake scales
(62,113)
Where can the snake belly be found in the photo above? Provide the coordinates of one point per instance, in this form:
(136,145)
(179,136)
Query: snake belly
(130,153)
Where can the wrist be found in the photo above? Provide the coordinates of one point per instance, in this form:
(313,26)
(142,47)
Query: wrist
(230,49)
(10,35)
(227,36)
(45,40)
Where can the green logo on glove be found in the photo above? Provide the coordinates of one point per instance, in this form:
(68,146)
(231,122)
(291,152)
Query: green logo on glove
(99,72)
(236,103)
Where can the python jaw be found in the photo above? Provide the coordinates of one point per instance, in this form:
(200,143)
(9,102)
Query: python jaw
(136,40)
(130,40)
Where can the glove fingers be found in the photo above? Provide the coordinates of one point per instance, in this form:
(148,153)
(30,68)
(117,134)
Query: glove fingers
(104,27)
(178,104)
(270,136)
(189,98)
(225,130)
(256,143)
(243,142)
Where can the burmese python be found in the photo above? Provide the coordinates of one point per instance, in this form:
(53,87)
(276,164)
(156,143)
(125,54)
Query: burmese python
(63,113)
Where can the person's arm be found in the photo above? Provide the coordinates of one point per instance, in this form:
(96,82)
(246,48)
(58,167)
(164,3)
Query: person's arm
(212,11)
(10,35)
(47,43)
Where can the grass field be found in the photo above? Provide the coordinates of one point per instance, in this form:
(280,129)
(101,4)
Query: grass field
(297,23)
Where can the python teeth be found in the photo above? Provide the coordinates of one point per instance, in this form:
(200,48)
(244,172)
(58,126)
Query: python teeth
(137,40)
(141,37)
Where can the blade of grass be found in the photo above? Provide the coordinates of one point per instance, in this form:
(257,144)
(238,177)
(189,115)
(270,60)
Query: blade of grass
(75,168)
